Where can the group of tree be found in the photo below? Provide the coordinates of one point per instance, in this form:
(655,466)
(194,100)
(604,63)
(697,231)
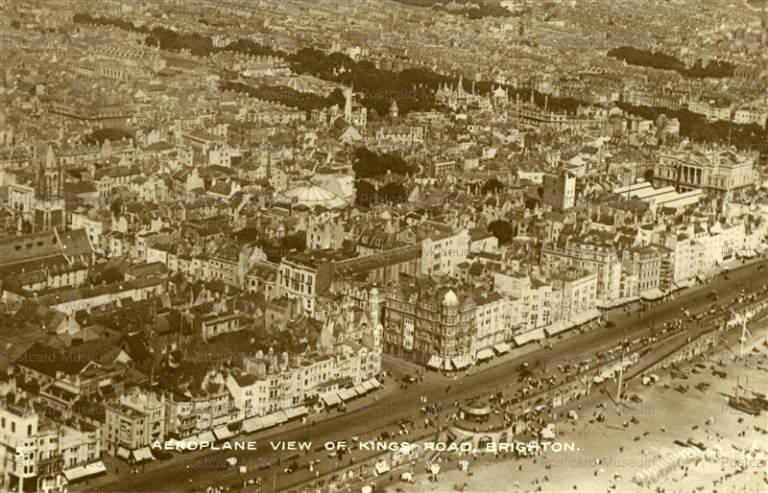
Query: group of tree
(367,195)
(696,127)
(111,134)
(645,58)
(369,164)
(167,39)
(305,101)
(276,249)
(473,9)
(502,230)
(491,186)
(413,88)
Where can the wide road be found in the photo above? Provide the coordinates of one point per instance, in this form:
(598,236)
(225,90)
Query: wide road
(405,404)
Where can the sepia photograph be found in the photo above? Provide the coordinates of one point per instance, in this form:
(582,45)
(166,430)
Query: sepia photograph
(369,246)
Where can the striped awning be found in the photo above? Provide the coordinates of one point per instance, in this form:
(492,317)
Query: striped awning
(501,348)
(360,389)
(296,412)
(275,418)
(222,433)
(80,472)
(484,354)
(460,362)
(347,394)
(206,436)
(604,303)
(531,335)
(557,327)
(330,398)
(142,455)
(253,424)
(652,294)
(376,384)
(435,362)
(123,453)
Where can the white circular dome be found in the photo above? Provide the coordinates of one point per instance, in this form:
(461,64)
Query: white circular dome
(312,195)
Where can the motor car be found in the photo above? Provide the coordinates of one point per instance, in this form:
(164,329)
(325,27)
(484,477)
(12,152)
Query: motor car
(698,445)
(409,379)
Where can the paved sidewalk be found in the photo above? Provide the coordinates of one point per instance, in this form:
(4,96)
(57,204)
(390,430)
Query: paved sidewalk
(116,468)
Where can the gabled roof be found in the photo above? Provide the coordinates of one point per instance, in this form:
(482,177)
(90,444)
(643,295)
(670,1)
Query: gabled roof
(49,360)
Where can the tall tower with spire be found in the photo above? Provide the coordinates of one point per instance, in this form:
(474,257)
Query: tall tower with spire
(49,177)
(49,192)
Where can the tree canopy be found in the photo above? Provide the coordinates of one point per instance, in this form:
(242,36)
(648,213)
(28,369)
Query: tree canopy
(645,58)
(492,186)
(368,164)
(502,230)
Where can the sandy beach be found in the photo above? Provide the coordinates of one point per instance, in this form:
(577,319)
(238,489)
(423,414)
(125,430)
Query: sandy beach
(639,437)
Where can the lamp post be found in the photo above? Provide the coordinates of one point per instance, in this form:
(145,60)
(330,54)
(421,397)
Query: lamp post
(744,332)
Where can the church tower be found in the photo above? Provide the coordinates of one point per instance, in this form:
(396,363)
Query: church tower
(49,177)
(49,192)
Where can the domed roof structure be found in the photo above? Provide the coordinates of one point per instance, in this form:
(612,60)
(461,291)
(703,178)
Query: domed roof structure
(311,196)
(450,298)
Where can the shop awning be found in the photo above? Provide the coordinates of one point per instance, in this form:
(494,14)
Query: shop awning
(367,385)
(435,362)
(701,278)
(460,362)
(80,472)
(330,398)
(347,394)
(206,436)
(143,455)
(276,418)
(605,303)
(484,354)
(296,412)
(253,424)
(586,316)
(531,335)
(376,384)
(557,327)
(447,364)
(123,453)
(652,294)
(360,389)
(222,433)
(270,420)
(501,348)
